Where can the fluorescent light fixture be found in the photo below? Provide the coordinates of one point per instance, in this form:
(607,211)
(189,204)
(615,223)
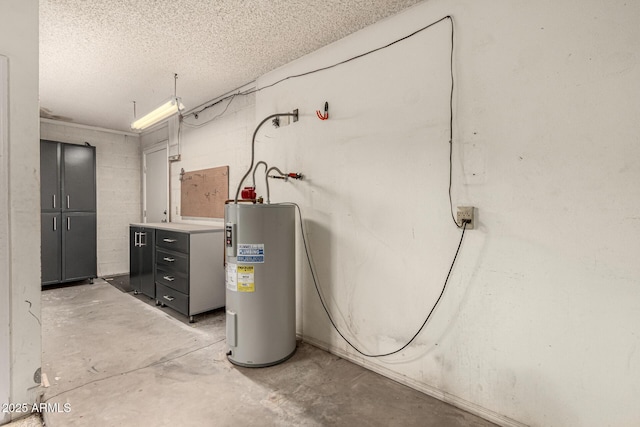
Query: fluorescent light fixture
(167,109)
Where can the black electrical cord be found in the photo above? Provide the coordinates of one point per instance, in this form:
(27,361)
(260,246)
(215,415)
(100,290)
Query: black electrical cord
(231,98)
(463,226)
(451,125)
(251,91)
(306,73)
(326,310)
(248,92)
(354,57)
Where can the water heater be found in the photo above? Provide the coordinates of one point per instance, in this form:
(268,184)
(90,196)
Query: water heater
(260,280)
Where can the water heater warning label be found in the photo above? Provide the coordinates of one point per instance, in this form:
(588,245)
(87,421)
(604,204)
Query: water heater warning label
(245,279)
(251,253)
(232,277)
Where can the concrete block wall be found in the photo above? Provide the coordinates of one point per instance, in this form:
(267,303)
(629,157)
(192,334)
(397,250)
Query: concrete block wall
(118,187)
(226,144)
(221,136)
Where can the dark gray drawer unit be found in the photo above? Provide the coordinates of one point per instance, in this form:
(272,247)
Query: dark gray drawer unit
(172,240)
(172,279)
(170,297)
(172,261)
(189,270)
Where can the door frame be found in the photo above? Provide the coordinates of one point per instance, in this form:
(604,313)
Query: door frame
(163,145)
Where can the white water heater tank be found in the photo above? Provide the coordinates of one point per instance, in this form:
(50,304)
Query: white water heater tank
(260,280)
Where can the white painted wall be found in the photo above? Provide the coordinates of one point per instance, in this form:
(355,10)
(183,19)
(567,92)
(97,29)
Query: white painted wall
(540,324)
(21,236)
(5,253)
(118,188)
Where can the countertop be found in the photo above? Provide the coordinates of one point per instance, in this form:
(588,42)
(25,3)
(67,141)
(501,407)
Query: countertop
(179,226)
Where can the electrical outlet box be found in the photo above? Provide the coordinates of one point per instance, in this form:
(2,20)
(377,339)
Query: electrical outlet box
(466,214)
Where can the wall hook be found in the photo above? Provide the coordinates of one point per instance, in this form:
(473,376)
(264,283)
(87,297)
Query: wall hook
(324,116)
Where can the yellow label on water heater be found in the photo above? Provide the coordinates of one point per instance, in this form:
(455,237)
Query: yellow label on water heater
(245,278)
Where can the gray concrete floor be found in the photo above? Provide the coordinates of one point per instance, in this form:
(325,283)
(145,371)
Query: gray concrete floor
(33,420)
(116,359)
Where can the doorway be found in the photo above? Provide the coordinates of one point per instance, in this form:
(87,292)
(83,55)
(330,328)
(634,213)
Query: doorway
(155,183)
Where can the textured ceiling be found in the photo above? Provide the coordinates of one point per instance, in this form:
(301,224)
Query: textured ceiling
(97,56)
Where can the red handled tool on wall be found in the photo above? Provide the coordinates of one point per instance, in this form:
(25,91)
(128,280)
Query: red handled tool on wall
(324,116)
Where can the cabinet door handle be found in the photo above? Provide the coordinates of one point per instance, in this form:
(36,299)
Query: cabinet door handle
(168,298)
(68,223)
(169,278)
(55,224)
(54,201)
(169,259)
(169,240)
(68,201)
(136,235)
(143,243)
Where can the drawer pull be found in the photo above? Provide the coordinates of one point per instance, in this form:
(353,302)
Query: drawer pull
(168,298)
(169,259)
(169,240)
(169,278)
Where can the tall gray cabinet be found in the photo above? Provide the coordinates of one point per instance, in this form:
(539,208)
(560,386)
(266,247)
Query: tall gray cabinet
(68,212)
